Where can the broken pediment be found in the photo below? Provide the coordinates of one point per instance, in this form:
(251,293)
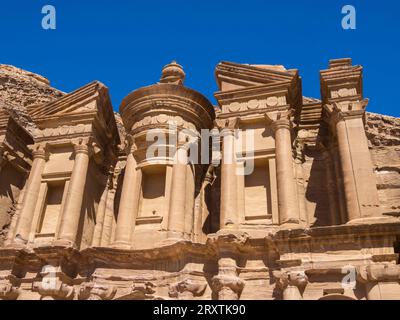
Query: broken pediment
(248,89)
(232,76)
(89,105)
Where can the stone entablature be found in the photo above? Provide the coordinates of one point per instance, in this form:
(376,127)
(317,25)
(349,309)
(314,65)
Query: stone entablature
(89,213)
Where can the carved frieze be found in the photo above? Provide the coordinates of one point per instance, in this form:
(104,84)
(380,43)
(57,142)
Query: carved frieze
(163,120)
(63,131)
(255,104)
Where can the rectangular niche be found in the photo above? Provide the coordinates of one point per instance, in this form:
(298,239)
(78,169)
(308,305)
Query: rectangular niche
(152,205)
(51,211)
(257,192)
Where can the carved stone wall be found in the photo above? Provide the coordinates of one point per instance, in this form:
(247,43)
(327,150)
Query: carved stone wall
(87,214)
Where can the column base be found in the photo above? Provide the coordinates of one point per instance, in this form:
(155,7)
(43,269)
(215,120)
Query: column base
(16,246)
(176,235)
(374,220)
(290,223)
(65,243)
(121,245)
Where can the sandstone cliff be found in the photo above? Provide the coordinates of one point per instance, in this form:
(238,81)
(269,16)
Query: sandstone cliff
(20,88)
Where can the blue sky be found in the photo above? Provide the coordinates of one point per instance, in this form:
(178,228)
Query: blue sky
(124,44)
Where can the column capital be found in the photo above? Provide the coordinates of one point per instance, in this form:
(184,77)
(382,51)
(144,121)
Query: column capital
(287,279)
(186,139)
(96,291)
(279,120)
(187,289)
(81,146)
(227,125)
(379,273)
(39,151)
(231,282)
(341,111)
(8,288)
(130,144)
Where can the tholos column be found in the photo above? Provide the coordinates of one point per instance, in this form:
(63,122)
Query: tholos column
(228,214)
(31,194)
(128,206)
(287,197)
(73,203)
(176,218)
(359,181)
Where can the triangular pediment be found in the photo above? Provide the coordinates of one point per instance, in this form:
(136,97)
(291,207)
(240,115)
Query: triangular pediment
(89,104)
(80,101)
(233,76)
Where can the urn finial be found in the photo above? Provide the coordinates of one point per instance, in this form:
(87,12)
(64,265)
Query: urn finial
(173,73)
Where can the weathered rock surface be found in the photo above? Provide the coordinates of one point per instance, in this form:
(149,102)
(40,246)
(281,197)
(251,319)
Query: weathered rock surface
(20,88)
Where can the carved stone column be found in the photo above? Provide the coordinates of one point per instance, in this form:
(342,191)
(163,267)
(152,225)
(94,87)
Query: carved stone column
(287,196)
(31,194)
(377,275)
(129,204)
(176,218)
(227,284)
(187,289)
(292,284)
(74,198)
(228,210)
(359,182)
(101,211)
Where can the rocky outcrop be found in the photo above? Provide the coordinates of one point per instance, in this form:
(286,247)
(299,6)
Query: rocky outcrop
(382,130)
(20,88)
